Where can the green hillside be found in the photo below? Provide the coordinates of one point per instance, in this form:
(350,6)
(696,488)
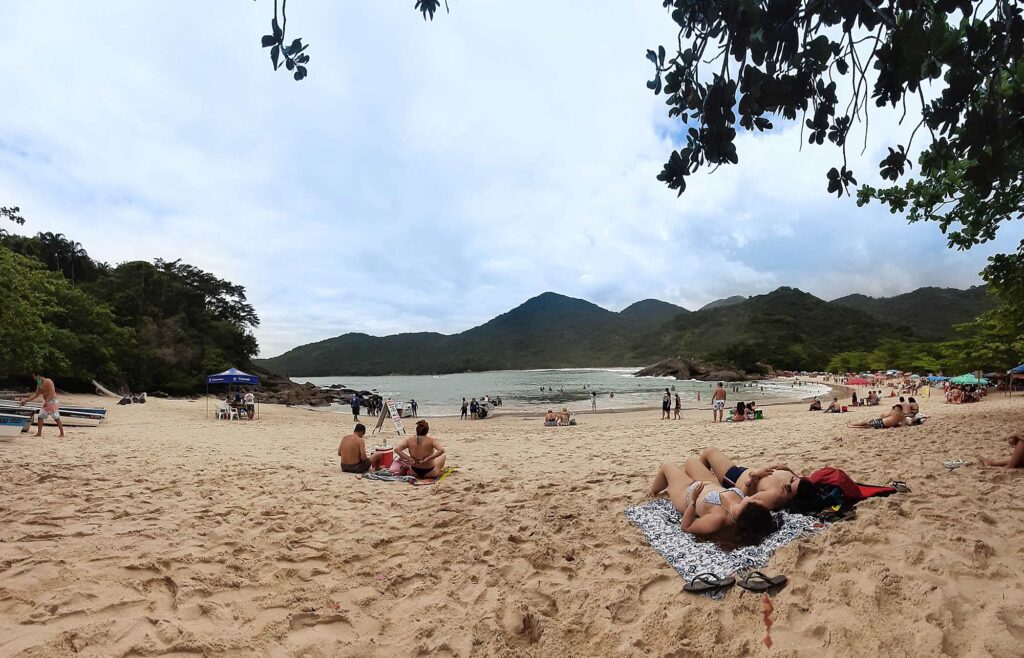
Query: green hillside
(727,301)
(787,329)
(929,312)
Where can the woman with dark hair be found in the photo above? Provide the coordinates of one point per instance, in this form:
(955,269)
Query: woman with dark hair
(775,486)
(740,413)
(728,516)
(424,454)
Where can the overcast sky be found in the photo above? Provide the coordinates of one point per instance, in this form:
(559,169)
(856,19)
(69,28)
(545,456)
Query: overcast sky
(426,176)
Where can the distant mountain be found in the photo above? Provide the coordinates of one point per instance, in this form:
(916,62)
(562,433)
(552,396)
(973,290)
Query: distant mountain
(929,312)
(547,331)
(652,312)
(787,328)
(728,301)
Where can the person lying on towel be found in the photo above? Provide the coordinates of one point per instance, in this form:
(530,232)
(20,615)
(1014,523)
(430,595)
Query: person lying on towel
(352,451)
(424,454)
(727,516)
(774,485)
(892,419)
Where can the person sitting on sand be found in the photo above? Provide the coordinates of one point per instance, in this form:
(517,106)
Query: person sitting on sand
(816,405)
(564,417)
(739,414)
(728,516)
(550,419)
(1016,458)
(893,419)
(774,485)
(833,407)
(352,451)
(751,411)
(423,453)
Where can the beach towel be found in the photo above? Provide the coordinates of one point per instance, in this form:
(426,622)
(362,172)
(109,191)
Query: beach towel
(659,521)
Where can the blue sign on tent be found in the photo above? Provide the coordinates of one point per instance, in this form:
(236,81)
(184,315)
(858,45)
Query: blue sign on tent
(233,376)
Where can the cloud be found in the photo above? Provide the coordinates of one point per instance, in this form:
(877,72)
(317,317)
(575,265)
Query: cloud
(426,176)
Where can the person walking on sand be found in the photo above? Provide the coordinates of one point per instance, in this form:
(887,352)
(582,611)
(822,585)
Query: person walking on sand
(356,402)
(666,405)
(718,403)
(678,407)
(51,405)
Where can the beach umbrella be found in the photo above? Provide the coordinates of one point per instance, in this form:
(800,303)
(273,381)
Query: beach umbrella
(1019,370)
(915,376)
(936,378)
(857,381)
(969,380)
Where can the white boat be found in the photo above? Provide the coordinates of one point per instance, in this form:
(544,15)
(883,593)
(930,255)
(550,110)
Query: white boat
(92,411)
(12,425)
(69,418)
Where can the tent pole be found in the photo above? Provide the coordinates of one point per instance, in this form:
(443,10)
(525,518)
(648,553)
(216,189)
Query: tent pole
(207,399)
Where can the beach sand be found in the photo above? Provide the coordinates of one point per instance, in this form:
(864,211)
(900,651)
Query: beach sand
(161,532)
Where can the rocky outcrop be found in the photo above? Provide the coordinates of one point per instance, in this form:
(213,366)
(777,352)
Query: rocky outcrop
(684,368)
(275,389)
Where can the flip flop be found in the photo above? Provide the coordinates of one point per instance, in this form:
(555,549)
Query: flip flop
(900,486)
(955,463)
(755,581)
(707,582)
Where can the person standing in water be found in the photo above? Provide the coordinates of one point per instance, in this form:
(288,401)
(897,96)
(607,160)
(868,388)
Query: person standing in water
(718,403)
(666,405)
(51,405)
(593,401)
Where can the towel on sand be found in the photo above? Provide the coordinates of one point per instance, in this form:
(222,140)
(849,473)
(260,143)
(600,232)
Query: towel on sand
(659,521)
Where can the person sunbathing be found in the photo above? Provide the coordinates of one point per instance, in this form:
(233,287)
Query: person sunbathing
(728,516)
(424,454)
(352,451)
(550,419)
(774,485)
(893,419)
(740,413)
(1016,458)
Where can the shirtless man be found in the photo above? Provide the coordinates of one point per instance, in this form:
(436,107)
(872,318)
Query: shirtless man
(423,453)
(51,406)
(774,485)
(718,403)
(550,418)
(352,451)
(893,419)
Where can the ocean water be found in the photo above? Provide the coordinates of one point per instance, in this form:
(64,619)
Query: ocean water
(539,390)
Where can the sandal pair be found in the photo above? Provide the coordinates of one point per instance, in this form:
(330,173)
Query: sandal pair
(755,581)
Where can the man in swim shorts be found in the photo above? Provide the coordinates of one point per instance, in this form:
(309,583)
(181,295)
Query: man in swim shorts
(893,419)
(775,485)
(352,451)
(424,454)
(718,403)
(51,405)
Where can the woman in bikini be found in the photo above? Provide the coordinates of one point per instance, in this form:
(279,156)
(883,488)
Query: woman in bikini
(424,454)
(728,516)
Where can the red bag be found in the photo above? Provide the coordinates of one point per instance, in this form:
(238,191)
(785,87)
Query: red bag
(852,491)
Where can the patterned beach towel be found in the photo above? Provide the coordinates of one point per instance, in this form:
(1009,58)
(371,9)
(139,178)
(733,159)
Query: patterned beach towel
(659,521)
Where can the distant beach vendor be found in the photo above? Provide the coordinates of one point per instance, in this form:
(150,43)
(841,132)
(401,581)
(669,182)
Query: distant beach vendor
(424,454)
(51,405)
(352,451)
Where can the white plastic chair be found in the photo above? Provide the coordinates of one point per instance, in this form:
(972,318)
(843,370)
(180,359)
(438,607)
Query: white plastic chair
(234,414)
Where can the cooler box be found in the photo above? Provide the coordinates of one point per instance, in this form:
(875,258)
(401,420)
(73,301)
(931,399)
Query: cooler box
(387,455)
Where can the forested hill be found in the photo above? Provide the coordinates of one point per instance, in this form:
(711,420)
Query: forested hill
(932,312)
(787,329)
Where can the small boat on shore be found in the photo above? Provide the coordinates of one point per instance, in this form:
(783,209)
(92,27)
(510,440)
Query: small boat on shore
(68,418)
(7,405)
(11,425)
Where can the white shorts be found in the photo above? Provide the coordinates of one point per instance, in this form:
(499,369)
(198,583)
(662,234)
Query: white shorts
(718,405)
(50,410)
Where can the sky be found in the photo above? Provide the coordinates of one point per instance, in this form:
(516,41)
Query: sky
(425,176)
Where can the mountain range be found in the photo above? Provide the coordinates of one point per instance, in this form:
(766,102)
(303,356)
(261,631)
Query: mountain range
(786,328)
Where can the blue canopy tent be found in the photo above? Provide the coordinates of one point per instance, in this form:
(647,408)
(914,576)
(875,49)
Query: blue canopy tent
(936,378)
(1013,374)
(231,377)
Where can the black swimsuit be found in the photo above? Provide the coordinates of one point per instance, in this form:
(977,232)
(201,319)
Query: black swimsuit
(421,472)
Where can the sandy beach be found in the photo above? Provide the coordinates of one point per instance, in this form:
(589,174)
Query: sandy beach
(163,533)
